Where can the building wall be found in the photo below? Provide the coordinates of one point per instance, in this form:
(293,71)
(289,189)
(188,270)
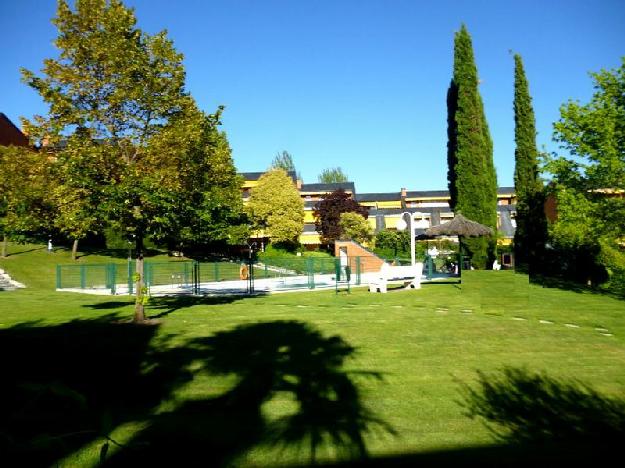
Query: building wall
(10,134)
(434,205)
(369,262)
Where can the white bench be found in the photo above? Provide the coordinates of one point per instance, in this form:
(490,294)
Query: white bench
(406,274)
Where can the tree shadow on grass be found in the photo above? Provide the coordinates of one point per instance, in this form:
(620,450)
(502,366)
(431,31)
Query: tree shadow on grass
(165,305)
(162,306)
(268,359)
(66,386)
(559,283)
(109,305)
(520,407)
(34,249)
(536,421)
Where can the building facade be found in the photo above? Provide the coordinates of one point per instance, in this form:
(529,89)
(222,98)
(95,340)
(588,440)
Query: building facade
(385,208)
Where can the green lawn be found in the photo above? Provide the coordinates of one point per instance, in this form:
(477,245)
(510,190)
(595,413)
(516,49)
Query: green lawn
(411,352)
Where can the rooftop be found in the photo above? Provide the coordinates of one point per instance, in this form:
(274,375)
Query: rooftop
(327,188)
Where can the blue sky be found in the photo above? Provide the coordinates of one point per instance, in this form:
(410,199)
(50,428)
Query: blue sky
(358,84)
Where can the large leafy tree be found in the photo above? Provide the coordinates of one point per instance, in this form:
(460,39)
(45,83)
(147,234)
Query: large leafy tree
(332,175)
(25,183)
(328,214)
(589,184)
(471,172)
(276,208)
(531,224)
(129,129)
(207,207)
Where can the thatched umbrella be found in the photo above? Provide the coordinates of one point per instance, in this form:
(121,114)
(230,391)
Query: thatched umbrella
(461,227)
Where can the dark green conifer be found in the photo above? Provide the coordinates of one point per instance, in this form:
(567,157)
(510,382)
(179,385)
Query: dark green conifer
(530,232)
(471,172)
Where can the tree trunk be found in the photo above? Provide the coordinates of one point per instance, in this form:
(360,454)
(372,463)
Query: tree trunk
(74,249)
(139,283)
(5,245)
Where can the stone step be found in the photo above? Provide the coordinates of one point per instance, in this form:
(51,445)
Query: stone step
(6,283)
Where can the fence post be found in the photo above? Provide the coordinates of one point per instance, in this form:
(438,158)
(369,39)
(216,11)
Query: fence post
(83,279)
(358,271)
(58,277)
(310,266)
(429,262)
(130,282)
(250,276)
(147,270)
(196,277)
(216,270)
(113,278)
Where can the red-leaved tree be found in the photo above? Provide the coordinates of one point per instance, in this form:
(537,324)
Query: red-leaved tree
(328,214)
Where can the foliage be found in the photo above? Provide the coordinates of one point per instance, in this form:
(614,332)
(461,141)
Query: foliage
(134,143)
(276,208)
(283,161)
(530,234)
(81,172)
(332,175)
(208,202)
(588,185)
(594,135)
(25,183)
(471,173)
(397,243)
(613,259)
(355,227)
(328,214)
(391,244)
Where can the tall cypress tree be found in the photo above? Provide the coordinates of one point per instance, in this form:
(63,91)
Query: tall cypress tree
(471,172)
(531,226)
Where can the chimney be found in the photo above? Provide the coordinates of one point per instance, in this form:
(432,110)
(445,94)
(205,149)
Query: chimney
(403,197)
(298,183)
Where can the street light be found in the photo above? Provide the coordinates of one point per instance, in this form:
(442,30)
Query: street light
(408,220)
(251,247)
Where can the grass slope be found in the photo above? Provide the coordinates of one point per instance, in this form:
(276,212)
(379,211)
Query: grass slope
(424,344)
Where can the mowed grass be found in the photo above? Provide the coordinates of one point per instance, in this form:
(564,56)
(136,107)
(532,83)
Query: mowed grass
(424,343)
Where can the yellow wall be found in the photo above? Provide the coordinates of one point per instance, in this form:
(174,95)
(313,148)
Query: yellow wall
(249,183)
(309,217)
(391,221)
(389,204)
(310,238)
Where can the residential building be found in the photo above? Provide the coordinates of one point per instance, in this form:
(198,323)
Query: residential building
(10,134)
(385,208)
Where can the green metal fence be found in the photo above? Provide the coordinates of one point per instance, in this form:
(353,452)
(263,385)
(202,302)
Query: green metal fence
(94,276)
(188,276)
(308,272)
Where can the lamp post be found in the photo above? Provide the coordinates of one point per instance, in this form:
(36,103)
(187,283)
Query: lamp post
(251,249)
(407,220)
